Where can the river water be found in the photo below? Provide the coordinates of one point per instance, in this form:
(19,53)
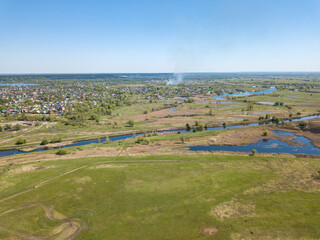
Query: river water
(123,137)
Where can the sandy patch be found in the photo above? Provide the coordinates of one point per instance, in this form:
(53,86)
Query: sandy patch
(210,231)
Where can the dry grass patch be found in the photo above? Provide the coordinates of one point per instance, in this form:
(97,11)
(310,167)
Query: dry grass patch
(83,179)
(233,209)
(109,166)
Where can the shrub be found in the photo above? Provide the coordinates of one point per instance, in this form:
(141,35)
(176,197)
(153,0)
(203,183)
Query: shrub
(21,141)
(131,123)
(265,133)
(17,127)
(62,152)
(142,140)
(7,127)
(56,140)
(1,128)
(253,152)
(298,113)
(44,142)
(188,127)
(199,126)
(302,125)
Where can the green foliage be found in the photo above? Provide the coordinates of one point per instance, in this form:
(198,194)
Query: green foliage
(265,133)
(142,140)
(44,142)
(199,126)
(56,140)
(62,152)
(21,141)
(7,126)
(302,124)
(253,152)
(17,127)
(131,123)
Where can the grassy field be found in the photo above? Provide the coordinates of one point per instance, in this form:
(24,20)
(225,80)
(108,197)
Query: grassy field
(194,196)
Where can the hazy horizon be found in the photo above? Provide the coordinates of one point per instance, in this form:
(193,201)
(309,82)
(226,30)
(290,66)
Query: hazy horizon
(44,37)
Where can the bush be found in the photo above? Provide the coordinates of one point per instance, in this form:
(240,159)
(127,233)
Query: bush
(1,128)
(131,123)
(7,127)
(21,141)
(17,127)
(62,152)
(265,133)
(56,140)
(302,125)
(199,126)
(253,152)
(142,140)
(44,142)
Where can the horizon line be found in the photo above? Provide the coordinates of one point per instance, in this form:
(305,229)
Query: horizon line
(84,73)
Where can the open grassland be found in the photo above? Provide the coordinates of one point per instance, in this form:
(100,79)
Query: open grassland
(195,196)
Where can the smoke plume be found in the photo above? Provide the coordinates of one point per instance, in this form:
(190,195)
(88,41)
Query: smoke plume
(177,78)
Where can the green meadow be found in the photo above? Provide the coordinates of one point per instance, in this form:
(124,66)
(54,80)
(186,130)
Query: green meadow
(194,196)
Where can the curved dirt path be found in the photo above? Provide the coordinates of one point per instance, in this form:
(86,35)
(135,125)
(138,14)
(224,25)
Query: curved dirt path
(69,228)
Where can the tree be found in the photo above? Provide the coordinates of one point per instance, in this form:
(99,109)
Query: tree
(253,152)
(44,142)
(62,152)
(131,123)
(21,141)
(302,125)
(250,107)
(199,126)
(188,127)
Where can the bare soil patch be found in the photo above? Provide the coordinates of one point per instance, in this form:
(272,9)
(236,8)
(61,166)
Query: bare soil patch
(211,231)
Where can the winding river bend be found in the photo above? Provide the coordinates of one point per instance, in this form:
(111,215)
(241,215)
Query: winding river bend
(240,94)
(123,137)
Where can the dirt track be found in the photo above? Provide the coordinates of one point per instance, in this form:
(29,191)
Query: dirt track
(69,228)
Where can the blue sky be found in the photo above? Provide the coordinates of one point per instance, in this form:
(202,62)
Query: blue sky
(91,36)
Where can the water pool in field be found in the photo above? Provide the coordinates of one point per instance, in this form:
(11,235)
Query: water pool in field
(267,146)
